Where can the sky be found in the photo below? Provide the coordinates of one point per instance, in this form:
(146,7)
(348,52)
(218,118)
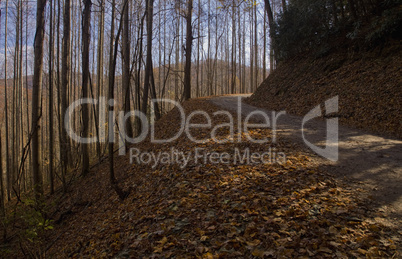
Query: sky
(28,34)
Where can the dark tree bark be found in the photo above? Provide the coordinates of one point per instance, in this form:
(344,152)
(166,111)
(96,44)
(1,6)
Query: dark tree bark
(8,169)
(270,14)
(153,95)
(86,40)
(51,50)
(189,44)
(138,78)
(271,26)
(36,87)
(65,72)
(100,66)
(148,63)
(2,198)
(112,69)
(126,71)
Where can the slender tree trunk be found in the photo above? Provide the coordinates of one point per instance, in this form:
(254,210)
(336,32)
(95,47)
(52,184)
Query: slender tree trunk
(99,74)
(189,44)
(112,69)
(126,71)
(111,98)
(256,48)
(86,40)
(177,54)
(15,120)
(264,63)
(29,163)
(240,51)
(138,79)
(8,169)
(153,95)
(215,71)
(209,66)
(197,91)
(20,100)
(271,24)
(148,64)
(251,50)
(2,193)
(65,72)
(244,57)
(51,48)
(36,87)
(233,88)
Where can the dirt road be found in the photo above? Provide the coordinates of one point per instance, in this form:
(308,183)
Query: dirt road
(367,161)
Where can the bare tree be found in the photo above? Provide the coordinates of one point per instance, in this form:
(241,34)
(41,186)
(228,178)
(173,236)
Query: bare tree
(148,64)
(65,72)
(112,69)
(86,39)
(51,50)
(36,87)
(271,26)
(8,170)
(189,44)
(126,70)
(2,210)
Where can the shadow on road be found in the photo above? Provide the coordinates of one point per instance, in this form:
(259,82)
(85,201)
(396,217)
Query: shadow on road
(372,161)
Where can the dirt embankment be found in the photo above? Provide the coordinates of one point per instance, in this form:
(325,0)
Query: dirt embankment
(369,85)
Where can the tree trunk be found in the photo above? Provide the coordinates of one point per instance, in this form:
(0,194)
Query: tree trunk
(264,65)
(197,91)
(126,72)
(271,26)
(112,68)
(2,210)
(65,72)
(153,95)
(36,87)
(233,61)
(148,64)
(189,44)
(251,50)
(8,169)
(99,73)
(86,40)
(138,79)
(51,48)
(255,48)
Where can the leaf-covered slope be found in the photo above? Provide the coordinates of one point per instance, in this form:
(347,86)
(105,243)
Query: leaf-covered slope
(369,85)
(210,210)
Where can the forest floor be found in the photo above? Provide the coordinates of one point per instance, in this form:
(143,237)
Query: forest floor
(282,209)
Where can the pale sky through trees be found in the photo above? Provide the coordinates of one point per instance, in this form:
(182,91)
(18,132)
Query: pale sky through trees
(168,13)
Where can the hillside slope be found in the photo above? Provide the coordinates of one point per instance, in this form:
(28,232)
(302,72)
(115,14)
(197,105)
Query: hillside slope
(369,85)
(212,210)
